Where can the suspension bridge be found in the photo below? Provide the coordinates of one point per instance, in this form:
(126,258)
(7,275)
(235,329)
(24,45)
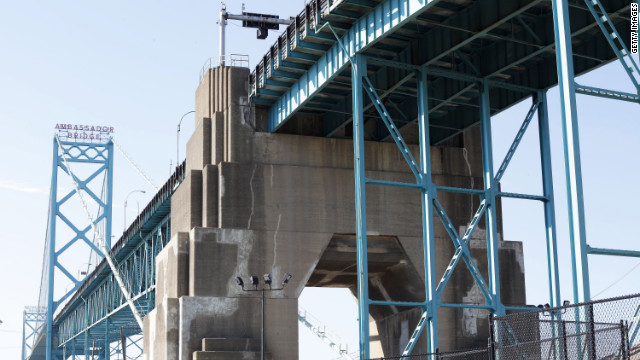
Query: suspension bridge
(272,161)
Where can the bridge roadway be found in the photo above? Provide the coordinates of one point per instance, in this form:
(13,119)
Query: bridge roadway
(98,311)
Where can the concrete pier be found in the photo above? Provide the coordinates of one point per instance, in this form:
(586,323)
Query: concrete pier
(255,202)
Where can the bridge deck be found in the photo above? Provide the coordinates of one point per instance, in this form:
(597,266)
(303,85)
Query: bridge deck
(304,79)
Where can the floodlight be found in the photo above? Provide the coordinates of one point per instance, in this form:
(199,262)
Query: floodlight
(267,279)
(254,281)
(286,278)
(240,282)
(566,303)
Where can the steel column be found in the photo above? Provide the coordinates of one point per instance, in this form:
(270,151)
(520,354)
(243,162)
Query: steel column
(549,207)
(570,135)
(53,211)
(428,193)
(24,325)
(109,195)
(490,192)
(358,71)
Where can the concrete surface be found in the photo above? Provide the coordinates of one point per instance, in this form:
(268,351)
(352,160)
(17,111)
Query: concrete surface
(256,202)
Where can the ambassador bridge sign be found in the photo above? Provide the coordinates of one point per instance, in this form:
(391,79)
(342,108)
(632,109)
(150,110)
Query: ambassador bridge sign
(88,133)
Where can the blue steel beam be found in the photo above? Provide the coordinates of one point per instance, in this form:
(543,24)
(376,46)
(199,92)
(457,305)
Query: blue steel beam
(359,70)
(571,142)
(615,41)
(613,252)
(609,94)
(549,207)
(491,188)
(364,32)
(428,192)
(516,142)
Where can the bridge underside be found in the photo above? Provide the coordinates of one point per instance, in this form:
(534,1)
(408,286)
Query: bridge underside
(303,86)
(459,41)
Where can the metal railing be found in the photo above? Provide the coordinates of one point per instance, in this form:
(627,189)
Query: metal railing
(225,60)
(603,329)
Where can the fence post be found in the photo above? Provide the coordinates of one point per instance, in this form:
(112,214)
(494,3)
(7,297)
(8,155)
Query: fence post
(564,340)
(592,328)
(625,340)
(492,338)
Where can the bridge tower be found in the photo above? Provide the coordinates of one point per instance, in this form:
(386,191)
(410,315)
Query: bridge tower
(92,158)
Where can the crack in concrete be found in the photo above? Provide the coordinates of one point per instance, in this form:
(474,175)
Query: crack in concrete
(271,175)
(466,160)
(275,242)
(253,200)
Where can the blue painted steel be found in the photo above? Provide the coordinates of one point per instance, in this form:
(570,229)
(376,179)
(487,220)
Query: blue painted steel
(393,183)
(460,190)
(516,142)
(571,142)
(363,33)
(491,189)
(521,196)
(358,71)
(615,41)
(613,252)
(605,93)
(100,154)
(428,193)
(33,319)
(549,207)
(462,249)
(53,210)
(393,130)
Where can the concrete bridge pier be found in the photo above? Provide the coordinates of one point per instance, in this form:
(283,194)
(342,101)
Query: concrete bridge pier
(255,202)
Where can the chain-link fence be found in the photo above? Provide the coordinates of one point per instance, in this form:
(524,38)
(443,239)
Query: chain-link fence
(598,330)
(604,329)
(477,354)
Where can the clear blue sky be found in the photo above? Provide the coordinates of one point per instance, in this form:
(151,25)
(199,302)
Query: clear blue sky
(135,66)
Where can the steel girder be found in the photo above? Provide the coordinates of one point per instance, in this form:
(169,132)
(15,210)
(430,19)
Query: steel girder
(490,289)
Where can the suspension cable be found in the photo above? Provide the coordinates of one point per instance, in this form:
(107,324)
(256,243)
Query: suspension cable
(126,156)
(107,255)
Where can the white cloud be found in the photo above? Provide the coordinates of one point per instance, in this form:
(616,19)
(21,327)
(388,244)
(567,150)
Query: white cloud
(22,187)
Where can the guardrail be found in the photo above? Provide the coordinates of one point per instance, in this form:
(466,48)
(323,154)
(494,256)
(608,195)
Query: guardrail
(224,60)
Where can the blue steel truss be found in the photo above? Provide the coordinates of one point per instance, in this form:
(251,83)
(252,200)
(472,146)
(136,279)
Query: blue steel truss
(430,204)
(101,314)
(33,319)
(571,138)
(303,70)
(100,157)
(96,316)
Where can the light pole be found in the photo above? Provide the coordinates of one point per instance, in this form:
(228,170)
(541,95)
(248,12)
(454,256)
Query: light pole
(267,281)
(178,137)
(125,208)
